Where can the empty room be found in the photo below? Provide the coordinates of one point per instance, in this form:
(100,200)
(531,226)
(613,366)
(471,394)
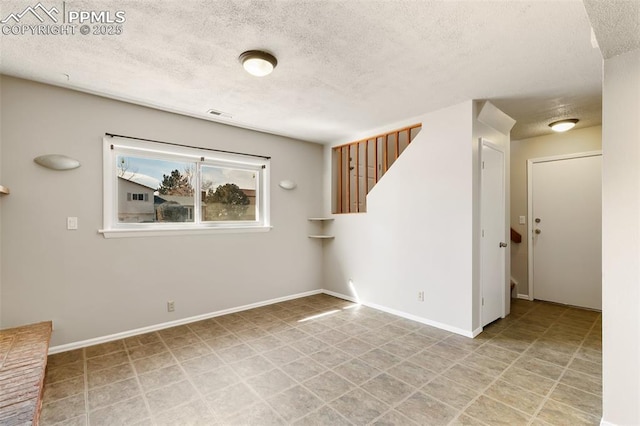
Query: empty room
(344,212)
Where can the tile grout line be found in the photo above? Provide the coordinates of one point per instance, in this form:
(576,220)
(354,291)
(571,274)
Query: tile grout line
(188,378)
(275,366)
(393,407)
(327,370)
(260,399)
(385,371)
(498,377)
(573,357)
(86,386)
(332,370)
(241,379)
(137,377)
(129,363)
(545,397)
(356,386)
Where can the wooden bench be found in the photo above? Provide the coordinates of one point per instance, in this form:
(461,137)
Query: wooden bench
(23,360)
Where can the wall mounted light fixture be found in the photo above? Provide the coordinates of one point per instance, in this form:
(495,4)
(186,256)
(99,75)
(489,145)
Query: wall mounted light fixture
(564,125)
(257,62)
(57,162)
(287,184)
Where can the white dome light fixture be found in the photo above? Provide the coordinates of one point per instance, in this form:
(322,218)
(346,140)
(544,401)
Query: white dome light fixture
(564,125)
(258,63)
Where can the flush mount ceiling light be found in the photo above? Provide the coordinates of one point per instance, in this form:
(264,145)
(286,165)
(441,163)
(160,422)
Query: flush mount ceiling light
(258,62)
(563,125)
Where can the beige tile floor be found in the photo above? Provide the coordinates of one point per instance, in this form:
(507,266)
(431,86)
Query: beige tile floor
(323,361)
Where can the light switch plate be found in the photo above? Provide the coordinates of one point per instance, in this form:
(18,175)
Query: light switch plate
(72,223)
(523,220)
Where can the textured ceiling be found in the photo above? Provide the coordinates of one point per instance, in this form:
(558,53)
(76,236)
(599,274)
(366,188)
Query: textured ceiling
(616,25)
(344,66)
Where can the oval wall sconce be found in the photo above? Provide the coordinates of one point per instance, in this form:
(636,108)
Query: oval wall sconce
(57,162)
(287,184)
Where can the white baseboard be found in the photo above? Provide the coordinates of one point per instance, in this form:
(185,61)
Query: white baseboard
(523,296)
(475,332)
(340,296)
(401,314)
(161,326)
(182,321)
(603,422)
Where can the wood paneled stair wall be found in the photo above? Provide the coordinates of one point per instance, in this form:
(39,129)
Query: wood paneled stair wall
(358,166)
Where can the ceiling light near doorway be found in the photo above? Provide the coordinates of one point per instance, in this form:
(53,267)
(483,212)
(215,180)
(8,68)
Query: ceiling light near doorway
(563,125)
(258,63)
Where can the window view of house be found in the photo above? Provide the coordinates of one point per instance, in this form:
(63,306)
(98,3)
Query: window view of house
(152,190)
(131,207)
(156,188)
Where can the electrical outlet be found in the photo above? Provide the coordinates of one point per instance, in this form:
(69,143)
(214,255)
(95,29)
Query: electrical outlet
(171,306)
(421,296)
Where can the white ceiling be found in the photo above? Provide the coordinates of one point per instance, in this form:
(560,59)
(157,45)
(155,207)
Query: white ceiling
(344,66)
(616,25)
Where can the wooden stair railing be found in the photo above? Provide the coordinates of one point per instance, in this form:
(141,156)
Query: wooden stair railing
(515,236)
(358,166)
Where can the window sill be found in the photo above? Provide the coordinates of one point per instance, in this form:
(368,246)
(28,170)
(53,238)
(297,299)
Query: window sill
(134,233)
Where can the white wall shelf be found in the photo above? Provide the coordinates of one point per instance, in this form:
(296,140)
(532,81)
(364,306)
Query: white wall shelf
(319,226)
(4,190)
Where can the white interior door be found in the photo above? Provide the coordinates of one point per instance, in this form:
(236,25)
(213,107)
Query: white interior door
(566,230)
(493,243)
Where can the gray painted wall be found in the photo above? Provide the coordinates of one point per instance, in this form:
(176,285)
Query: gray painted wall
(91,286)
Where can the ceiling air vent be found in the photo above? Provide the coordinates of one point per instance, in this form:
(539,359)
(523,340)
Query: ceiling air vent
(216,113)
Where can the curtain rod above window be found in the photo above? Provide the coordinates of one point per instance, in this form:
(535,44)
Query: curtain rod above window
(188,146)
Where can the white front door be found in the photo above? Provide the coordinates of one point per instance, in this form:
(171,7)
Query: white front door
(566,230)
(493,229)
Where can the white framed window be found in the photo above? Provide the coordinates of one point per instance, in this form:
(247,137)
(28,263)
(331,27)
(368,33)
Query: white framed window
(155,188)
(137,197)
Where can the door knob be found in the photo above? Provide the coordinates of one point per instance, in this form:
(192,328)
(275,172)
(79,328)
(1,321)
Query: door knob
(503,244)
(537,231)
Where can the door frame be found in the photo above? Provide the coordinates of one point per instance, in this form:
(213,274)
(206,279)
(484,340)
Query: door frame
(530,163)
(485,142)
